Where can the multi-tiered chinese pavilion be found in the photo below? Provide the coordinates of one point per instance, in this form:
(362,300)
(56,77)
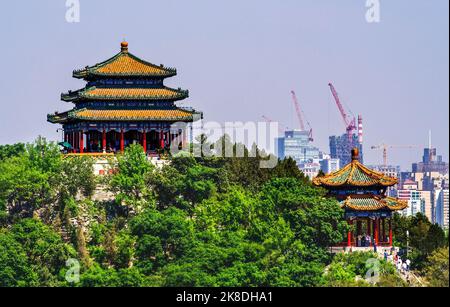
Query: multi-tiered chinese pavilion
(124,102)
(362,193)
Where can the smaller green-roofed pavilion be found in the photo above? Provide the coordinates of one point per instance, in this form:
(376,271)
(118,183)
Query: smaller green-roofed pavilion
(362,194)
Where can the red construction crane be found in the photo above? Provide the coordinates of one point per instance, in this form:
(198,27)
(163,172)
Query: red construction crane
(299,116)
(350,125)
(297,109)
(281,127)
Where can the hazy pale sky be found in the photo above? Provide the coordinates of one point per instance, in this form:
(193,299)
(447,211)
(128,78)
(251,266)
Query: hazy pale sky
(240,59)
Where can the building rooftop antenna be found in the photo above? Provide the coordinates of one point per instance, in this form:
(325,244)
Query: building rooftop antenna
(429,139)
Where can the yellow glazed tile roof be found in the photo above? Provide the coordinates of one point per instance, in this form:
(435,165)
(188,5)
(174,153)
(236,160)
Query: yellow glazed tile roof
(102,93)
(175,114)
(129,65)
(125,64)
(132,93)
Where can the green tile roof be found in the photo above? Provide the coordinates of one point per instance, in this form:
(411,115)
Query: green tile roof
(372,203)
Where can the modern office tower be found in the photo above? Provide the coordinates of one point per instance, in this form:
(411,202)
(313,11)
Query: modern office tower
(297,145)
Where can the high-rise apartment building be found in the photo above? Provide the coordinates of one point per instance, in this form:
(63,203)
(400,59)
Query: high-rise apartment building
(415,202)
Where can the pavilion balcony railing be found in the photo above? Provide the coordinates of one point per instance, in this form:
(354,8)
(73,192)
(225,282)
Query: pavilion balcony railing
(354,244)
(95,156)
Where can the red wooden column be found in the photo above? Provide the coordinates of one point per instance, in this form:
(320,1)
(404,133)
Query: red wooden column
(349,234)
(161,139)
(390,231)
(104,140)
(122,142)
(144,140)
(81,141)
(376,230)
(383,230)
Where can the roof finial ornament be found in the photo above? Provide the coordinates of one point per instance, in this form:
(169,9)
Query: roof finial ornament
(124,46)
(355,153)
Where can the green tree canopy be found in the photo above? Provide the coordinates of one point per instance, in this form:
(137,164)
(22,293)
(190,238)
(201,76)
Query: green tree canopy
(129,179)
(437,271)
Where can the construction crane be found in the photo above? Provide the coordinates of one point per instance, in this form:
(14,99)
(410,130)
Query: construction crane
(299,116)
(385,148)
(297,109)
(350,125)
(281,127)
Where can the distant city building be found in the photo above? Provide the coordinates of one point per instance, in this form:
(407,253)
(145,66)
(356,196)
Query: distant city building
(415,202)
(418,200)
(297,145)
(341,146)
(403,176)
(409,185)
(442,210)
(412,189)
(390,171)
(427,204)
(441,201)
(310,169)
(429,182)
(329,165)
(430,163)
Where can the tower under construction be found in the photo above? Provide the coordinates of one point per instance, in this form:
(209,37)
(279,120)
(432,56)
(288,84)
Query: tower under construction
(341,146)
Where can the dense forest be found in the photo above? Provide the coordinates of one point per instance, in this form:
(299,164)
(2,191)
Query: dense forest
(205,221)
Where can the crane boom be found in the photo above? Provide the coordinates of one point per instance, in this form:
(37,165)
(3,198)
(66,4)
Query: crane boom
(297,109)
(350,125)
(339,104)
